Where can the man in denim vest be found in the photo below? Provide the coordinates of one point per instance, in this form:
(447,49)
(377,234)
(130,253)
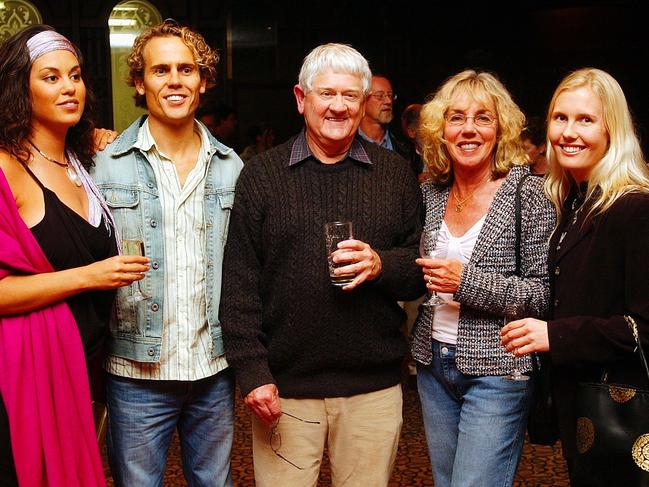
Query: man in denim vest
(170,185)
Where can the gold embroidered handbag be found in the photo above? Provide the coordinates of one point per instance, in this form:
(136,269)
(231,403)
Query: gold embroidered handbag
(613,431)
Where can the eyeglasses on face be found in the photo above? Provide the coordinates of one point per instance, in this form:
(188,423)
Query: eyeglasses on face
(330,95)
(379,95)
(275,439)
(481,119)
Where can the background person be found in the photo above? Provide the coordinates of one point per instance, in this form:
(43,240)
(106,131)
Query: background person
(379,112)
(221,120)
(474,417)
(58,266)
(410,128)
(599,184)
(533,137)
(261,137)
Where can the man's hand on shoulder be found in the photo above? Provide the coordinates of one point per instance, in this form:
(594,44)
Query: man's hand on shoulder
(264,402)
(103,137)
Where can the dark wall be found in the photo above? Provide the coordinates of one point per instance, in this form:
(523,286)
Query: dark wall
(531,45)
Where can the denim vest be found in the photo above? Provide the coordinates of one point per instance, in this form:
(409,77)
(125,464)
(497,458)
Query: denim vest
(127,182)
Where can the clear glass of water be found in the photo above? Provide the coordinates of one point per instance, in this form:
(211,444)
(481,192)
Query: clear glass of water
(336,232)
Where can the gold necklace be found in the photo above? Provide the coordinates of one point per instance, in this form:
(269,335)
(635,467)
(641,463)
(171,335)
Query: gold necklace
(69,170)
(459,204)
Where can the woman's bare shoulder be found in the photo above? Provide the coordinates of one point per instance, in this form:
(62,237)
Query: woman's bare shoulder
(10,166)
(15,174)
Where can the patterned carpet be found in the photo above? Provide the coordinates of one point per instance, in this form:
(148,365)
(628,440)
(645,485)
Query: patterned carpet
(541,466)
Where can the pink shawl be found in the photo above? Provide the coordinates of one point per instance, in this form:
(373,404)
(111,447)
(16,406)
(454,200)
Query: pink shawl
(43,378)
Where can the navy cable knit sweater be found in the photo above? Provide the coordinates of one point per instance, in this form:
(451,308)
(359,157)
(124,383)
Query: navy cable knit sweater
(282,320)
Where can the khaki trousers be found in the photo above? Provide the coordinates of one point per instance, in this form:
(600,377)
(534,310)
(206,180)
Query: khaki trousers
(361,433)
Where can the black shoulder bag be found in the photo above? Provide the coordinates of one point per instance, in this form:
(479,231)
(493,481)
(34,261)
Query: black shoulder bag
(613,431)
(542,423)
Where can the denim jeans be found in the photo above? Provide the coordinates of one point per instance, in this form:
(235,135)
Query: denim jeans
(475,425)
(142,416)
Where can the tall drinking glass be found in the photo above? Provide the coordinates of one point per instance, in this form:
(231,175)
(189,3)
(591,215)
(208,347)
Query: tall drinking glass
(134,247)
(336,232)
(514,312)
(428,250)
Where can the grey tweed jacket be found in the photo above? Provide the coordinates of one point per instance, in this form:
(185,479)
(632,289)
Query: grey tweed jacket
(488,282)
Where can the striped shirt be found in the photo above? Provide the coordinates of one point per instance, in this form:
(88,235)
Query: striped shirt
(186,341)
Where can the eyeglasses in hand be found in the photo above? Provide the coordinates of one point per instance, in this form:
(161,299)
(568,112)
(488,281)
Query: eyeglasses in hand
(275,439)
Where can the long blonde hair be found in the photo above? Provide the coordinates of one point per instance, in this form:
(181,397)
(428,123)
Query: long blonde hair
(484,88)
(623,169)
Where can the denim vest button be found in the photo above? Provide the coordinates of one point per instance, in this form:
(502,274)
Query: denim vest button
(151,352)
(153,223)
(155,264)
(150,185)
(155,307)
(444,350)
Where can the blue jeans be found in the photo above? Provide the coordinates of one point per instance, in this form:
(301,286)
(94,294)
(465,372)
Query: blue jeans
(142,416)
(475,425)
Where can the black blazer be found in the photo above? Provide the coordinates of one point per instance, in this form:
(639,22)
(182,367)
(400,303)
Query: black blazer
(599,273)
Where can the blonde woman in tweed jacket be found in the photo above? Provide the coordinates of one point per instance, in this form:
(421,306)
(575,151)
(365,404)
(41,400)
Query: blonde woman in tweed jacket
(474,417)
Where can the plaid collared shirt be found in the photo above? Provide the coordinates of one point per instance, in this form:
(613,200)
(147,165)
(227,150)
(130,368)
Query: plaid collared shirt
(301,151)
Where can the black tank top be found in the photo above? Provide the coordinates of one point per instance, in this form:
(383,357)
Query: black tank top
(69,241)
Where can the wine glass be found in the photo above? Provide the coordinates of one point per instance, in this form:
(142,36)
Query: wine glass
(427,249)
(134,247)
(514,312)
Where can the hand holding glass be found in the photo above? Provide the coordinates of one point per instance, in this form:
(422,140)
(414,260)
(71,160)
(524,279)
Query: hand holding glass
(514,312)
(134,247)
(336,232)
(427,250)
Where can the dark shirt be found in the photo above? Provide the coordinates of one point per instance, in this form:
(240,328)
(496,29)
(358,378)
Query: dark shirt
(598,267)
(69,241)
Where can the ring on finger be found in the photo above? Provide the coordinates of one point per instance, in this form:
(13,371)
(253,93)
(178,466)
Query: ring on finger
(430,280)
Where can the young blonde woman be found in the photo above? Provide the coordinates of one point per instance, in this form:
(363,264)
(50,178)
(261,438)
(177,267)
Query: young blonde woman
(599,184)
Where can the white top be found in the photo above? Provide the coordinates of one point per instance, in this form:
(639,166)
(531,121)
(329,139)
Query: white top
(186,341)
(447,316)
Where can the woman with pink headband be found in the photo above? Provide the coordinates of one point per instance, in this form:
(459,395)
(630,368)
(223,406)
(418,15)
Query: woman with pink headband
(59,266)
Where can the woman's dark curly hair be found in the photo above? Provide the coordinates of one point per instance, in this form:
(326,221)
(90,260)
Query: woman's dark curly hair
(16,102)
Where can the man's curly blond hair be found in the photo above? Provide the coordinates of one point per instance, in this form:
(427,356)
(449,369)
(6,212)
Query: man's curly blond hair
(205,57)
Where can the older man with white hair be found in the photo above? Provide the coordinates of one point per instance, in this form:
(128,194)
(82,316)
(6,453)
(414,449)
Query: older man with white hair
(319,365)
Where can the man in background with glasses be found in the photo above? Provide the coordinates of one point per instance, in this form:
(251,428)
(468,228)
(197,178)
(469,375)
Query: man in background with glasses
(375,124)
(320,365)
